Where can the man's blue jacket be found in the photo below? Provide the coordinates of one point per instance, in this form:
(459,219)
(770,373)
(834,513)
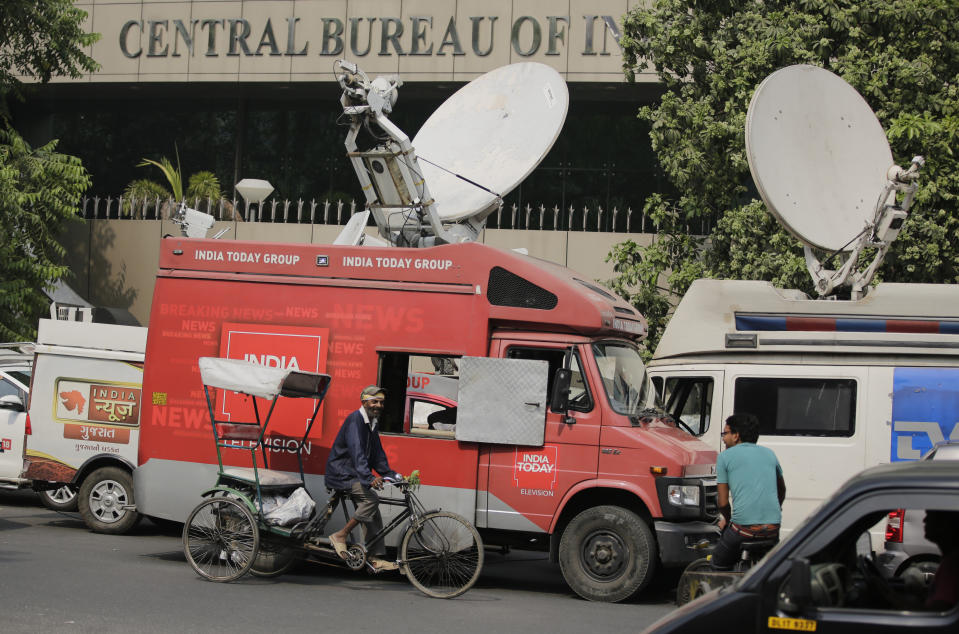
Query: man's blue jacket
(356,453)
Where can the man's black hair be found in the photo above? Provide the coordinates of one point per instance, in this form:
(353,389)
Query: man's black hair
(746,425)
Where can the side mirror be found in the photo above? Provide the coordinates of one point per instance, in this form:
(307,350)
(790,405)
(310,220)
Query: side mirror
(12,403)
(797,592)
(559,399)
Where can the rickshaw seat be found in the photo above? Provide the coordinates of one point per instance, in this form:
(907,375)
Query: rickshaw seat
(238,431)
(268,477)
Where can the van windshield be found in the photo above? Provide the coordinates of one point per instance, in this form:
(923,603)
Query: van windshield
(624,376)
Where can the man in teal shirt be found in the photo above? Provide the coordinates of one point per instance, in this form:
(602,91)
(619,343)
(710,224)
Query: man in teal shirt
(752,476)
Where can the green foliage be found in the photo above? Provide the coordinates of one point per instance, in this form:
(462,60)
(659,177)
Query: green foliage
(203,188)
(40,39)
(903,57)
(172,174)
(39,191)
(142,195)
(203,185)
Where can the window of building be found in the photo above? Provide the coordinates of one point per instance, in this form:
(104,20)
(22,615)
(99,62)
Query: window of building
(798,407)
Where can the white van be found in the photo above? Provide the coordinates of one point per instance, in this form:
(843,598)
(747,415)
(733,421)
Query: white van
(84,420)
(837,385)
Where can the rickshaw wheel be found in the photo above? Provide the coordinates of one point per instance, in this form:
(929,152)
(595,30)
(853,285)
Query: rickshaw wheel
(442,555)
(274,559)
(221,539)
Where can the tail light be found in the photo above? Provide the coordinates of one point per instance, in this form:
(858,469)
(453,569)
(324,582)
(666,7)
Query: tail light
(26,426)
(894,525)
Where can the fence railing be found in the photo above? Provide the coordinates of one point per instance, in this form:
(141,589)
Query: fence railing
(510,216)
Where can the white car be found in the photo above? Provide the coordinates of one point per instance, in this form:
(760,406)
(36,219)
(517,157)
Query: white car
(16,368)
(16,363)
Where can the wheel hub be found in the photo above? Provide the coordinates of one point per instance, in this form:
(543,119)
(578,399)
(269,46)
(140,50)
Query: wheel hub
(604,555)
(107,501)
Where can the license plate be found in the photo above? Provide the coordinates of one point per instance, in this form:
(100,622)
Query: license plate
(801,625)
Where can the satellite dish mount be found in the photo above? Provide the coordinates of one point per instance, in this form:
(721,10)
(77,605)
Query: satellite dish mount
(473,150)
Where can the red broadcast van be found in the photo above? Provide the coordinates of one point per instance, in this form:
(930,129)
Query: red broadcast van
(539,430)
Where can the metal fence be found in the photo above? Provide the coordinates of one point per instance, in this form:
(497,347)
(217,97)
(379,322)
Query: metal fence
(534,217)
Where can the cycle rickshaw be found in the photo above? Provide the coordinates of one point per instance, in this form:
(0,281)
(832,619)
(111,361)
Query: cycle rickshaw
(234,531)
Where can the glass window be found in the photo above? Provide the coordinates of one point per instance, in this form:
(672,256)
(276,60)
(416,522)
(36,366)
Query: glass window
(624,376)
(9,389)
(798,407)
(579,396)
(690,399)
(845,572)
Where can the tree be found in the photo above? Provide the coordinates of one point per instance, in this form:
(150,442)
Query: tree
(901,56)
(39,187)
(41,39)
(39,191)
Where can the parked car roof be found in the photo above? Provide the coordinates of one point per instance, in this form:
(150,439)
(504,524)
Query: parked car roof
(945,450)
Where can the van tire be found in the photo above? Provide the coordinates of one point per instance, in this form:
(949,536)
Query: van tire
(63,499)
(103,493)
(607,553)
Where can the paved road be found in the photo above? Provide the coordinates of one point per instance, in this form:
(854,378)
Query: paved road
(55,575)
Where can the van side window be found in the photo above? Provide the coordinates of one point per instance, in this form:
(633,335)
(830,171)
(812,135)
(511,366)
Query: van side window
(579,395)
(798,407)
(690,399)
(422,392)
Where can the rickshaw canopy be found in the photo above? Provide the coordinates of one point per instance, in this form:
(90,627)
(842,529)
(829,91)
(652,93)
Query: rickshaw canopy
(262,381)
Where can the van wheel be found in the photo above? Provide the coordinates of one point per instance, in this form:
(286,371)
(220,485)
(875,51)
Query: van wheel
(102,497)
(607,553)
(63,499)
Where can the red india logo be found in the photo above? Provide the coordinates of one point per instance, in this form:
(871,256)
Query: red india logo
(536,469)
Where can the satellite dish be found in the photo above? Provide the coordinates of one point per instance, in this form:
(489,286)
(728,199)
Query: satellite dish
(818,155)
(493,131)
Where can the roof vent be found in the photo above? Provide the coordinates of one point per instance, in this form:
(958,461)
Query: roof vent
(508,289)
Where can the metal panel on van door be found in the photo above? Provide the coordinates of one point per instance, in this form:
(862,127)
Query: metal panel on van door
(502,401)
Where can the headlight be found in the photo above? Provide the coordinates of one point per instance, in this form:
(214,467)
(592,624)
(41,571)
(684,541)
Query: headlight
(683,495)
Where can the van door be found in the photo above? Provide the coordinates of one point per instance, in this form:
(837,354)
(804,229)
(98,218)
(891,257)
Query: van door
(812,417)
(527,483)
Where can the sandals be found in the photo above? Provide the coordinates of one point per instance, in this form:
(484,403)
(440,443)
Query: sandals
(380,565)
(339,546)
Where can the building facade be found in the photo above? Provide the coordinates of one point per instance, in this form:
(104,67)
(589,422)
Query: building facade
(245,89)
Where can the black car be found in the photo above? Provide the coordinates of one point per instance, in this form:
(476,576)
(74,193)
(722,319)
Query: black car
(824,577)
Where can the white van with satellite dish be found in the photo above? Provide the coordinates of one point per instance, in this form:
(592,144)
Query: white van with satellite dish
(837,384)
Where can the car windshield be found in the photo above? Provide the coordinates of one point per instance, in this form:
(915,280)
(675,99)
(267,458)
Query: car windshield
(624,376)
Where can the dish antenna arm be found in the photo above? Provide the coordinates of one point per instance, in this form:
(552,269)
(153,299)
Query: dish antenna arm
(879,234)
(389,173)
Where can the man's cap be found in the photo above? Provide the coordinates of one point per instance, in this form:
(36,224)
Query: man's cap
(370,391)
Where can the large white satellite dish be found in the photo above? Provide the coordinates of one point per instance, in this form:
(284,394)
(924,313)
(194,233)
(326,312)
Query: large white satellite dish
(493,131)
(822,164)
(479,145)
(817,154)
